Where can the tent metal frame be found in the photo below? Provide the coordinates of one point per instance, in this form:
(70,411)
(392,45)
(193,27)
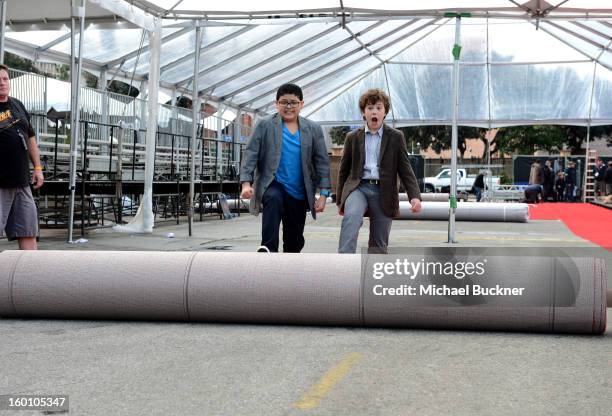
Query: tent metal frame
(143,14)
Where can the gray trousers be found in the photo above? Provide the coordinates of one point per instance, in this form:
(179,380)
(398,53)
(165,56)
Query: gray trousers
(365,198)
(18,214)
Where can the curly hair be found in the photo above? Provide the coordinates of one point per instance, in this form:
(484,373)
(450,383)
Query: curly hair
(372,96)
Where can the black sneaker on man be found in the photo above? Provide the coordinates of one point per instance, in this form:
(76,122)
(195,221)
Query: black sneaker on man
(263,249)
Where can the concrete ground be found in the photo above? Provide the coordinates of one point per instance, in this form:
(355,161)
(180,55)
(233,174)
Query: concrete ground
(158,368)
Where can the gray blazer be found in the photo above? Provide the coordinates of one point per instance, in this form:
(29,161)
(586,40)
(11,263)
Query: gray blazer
(262,155)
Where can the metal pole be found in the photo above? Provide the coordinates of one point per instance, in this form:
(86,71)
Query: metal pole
(489,181)
(2,28)
(237,141)
(454,142)
(75,75)
(46,100)
(586,165)
(144,92)
(104,102)
(84,178)
(219,158)
(194,126)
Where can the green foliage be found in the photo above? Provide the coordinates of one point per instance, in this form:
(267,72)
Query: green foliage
(90,80)
(527,139)
(439,137)
(338,134)
(16,62)
(183,102)
(64,72)
(576,136)
(504,179)
(513,140)
(120,87)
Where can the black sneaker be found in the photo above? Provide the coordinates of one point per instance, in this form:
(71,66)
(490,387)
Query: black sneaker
(263,249)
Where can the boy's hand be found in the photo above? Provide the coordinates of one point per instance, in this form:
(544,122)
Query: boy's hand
(320,203)
(247,191)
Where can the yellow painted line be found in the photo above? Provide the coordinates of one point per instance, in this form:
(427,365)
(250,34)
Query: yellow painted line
(318,391)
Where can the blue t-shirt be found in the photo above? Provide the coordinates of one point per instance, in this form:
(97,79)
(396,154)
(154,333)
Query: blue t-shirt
(289,172)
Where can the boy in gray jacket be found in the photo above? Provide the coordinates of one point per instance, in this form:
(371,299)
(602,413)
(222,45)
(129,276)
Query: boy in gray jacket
(283,164)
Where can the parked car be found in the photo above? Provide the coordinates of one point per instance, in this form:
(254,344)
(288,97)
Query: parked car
(464,181)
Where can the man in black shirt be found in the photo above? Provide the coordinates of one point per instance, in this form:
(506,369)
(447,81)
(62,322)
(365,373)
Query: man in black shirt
(18,216)
(478,186)
(549,180)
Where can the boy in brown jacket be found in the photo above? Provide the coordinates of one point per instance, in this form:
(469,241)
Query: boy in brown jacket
(374,156)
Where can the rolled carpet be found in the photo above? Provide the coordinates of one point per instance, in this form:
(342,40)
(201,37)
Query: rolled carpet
(558,294)
(467,211)
(428,196)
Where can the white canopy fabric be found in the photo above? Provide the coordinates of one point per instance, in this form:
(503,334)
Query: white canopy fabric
(534,62)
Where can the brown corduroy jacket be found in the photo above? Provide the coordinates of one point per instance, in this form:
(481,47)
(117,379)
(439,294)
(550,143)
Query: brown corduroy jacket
(393,162)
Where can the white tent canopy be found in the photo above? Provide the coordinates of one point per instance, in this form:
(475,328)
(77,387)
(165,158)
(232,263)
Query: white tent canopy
(528,63)
(521,63)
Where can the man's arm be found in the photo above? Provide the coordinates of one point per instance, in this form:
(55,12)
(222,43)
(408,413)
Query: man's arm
(37,177)
(345,166)
(321,159)
(250,158)
(407,176)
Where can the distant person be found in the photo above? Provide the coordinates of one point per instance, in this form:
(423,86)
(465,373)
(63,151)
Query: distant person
(570,182)
(599,173)
(560,186)
(284,162)
(374,156)
(549,180)
(535,174)
(479,186)
(608,179)
(533,193)
(18,147)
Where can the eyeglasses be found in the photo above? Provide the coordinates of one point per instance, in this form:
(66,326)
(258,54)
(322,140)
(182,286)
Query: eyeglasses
(288,104)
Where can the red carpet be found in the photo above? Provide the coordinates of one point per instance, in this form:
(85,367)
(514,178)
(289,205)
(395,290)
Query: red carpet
(588,221)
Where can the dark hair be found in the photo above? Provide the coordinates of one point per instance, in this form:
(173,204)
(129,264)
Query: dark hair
(6,68)
(372,96)
(289,89)
(538,161)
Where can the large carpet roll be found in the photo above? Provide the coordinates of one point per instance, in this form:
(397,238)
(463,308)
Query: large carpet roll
(428,196)
(241,205)
(468,211)
(557,294)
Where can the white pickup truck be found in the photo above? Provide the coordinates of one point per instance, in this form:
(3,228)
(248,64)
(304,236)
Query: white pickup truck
(464,181)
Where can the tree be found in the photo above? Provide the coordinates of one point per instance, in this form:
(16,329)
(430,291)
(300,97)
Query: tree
(439,138)
(16,62)
(552,138)
(184,102)
(64,72)
(120,87)
(91,81)
(576,136)
(338,134)
(436,137)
